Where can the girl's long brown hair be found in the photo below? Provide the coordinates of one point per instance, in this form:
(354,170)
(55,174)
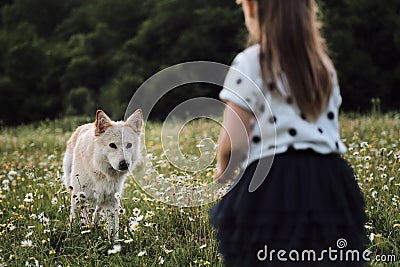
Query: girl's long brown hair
(291,42)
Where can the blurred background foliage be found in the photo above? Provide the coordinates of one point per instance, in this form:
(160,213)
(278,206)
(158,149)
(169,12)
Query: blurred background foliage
(72,57)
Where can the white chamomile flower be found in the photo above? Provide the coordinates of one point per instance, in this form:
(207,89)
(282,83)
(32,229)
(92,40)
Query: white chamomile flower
(45,221)
(54,201)
(136,211)
(114,250)
(28,198)
(133,226)
(142,253)
(27,243)
(29,234)
(11,174)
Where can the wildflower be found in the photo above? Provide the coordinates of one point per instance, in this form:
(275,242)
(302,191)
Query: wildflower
(6,187)
(147,224)
(371,237)
(11,174)
(114,250)
(12,227)
(364,144)
(85,232)
(133,226)
(54,201)
(28,198)
(80,196)
(136,211)
(167,251)
(121,211)
(160,260)
(149,214)
(135,199)
(117,196)
(27,243)
(191,219)
(40,216)
(203,246)
(374,194)
(142,253)
(28,234)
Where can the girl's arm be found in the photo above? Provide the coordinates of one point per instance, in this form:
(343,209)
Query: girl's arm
(233,143)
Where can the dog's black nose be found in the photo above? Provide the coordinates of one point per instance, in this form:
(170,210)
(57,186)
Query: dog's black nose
(123,165)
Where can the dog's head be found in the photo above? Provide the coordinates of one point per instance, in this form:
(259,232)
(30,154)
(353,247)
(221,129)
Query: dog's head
(118,144)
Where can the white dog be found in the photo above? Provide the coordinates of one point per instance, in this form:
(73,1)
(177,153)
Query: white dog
(96,163)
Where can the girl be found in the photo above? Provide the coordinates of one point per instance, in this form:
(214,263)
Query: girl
(307,210)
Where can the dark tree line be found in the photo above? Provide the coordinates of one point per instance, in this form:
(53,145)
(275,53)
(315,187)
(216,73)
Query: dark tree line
(71,57)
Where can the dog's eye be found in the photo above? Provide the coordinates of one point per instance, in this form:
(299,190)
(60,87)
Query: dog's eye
(113,145)
(129,145)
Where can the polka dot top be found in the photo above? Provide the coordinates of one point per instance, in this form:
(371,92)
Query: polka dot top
(278,124)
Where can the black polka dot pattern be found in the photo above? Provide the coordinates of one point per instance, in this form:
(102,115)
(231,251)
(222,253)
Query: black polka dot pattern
(292,132)
(272,119)
(279,124)
(256,139)
(271,86)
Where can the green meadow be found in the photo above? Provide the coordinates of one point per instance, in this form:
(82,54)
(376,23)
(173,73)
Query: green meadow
(34,205)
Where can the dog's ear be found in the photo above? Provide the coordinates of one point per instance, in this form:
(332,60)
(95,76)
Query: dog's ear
(102,122)
(136,121)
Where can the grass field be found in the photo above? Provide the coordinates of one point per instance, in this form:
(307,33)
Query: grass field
(34,206)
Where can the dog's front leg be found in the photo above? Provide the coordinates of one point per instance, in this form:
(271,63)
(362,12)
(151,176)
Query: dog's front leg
(96,216)
(72,215)
(112,222)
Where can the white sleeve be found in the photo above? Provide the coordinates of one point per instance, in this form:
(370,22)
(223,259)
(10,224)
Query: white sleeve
(239,88)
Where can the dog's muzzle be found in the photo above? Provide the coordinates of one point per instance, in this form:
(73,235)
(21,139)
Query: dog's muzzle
(123,165)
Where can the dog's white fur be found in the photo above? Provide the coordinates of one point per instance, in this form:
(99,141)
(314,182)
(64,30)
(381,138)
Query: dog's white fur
(94,167)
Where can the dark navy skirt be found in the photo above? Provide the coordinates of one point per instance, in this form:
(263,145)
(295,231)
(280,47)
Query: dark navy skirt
(309,207)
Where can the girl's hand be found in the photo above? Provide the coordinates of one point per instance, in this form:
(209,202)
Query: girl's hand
(233,142)
(226,169)
(222,176)
(219,174)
